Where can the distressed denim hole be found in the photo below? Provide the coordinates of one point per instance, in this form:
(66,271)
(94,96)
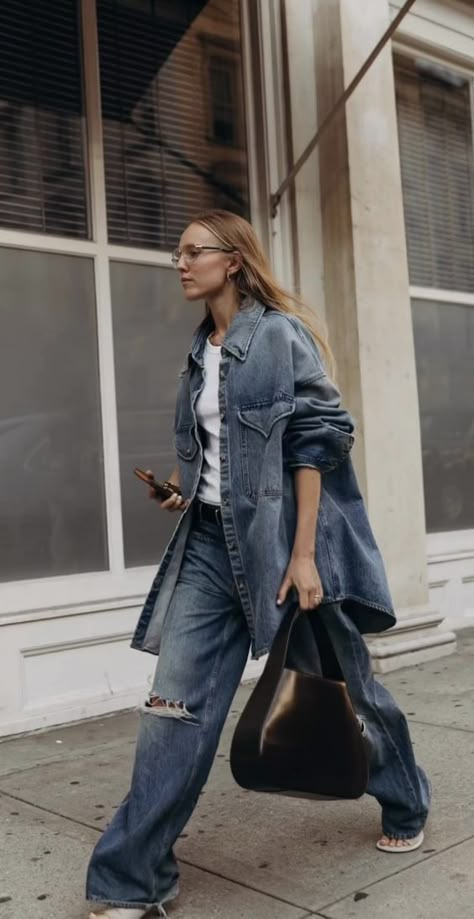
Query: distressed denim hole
(169,708)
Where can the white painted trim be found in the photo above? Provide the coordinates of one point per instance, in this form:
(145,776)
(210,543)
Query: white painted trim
(58,647)
(259,192)
(62,712)
(442,296)
(450,546)
(136,256)
(77,609)
(447,14)
(458,623)
(437,27)
(274,115)
(111,470)
(45,243)
(37,595)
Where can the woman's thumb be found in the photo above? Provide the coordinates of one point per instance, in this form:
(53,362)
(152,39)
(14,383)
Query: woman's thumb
(281,597)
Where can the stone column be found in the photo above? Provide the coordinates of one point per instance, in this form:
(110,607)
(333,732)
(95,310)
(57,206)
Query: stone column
(368,312)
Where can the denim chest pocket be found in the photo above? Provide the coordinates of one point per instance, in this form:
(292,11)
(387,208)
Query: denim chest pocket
(186,367)
(262,425)
(185,443)
(186,448)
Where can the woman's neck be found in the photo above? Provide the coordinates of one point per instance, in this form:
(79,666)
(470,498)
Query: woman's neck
(223,308)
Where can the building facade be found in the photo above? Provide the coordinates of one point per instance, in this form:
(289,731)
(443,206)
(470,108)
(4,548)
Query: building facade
(119,120)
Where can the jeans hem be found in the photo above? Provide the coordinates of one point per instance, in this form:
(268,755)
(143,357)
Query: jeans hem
(129,904)
(407,835)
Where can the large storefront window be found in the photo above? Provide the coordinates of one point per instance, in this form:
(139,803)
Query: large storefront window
(91,333)
(52,511)
(435,132)
(174,135)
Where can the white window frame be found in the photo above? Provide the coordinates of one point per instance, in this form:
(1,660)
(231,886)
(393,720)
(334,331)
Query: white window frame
(119,587)
(454,544)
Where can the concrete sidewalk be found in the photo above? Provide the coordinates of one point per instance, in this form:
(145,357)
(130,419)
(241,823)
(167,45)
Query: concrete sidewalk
(244,855)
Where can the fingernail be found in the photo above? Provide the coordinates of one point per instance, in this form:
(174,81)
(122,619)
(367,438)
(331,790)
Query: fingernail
(278,602)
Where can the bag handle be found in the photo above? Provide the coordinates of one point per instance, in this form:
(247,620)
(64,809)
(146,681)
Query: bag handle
(329,663)
(279,649)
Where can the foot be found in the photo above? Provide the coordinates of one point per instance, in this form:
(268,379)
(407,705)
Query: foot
(391,844)
(115,912)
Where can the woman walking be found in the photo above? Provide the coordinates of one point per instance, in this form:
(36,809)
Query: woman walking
(270,515)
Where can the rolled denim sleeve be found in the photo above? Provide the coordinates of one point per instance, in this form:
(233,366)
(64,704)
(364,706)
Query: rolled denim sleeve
(320,432)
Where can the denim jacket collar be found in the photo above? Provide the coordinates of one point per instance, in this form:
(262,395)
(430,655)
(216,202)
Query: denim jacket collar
(239,334)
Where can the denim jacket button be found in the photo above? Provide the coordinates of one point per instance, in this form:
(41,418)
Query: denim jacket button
(222,457)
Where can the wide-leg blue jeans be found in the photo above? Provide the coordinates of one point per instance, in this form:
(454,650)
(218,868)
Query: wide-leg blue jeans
(205,646)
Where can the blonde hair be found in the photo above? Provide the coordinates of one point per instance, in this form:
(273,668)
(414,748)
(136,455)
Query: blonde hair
(255,277)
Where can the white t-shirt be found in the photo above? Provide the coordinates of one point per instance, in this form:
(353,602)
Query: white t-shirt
(207,413)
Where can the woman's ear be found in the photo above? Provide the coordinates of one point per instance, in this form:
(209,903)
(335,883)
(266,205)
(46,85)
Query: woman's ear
(234,266)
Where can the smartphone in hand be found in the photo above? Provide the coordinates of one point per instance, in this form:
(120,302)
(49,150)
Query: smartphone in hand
(163,489)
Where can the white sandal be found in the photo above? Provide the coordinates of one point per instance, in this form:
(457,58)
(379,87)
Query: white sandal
(114,912)
(409,844)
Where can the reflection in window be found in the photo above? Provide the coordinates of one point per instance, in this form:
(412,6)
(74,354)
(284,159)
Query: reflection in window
(435,132)
(162,162)
(223,91)
(42,172)
(444,342)
(52,511)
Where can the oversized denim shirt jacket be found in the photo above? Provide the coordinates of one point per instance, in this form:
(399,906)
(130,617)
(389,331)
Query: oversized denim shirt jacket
(278,411)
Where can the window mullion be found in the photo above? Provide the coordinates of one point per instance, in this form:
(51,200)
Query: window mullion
(102,281)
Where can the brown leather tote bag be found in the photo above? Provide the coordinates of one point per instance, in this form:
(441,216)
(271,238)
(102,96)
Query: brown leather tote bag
(299,734)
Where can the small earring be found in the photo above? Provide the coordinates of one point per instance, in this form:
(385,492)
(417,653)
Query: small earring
(229,275)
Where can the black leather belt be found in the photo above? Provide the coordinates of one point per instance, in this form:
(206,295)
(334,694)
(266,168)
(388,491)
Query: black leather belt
(209,512)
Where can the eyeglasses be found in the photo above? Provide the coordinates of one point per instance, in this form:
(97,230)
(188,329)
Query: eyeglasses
(190,253)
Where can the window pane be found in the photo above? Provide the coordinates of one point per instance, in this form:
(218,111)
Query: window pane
(152,334)
(435,133)
(52,514)
(444,342)
(42,172)
(174,141)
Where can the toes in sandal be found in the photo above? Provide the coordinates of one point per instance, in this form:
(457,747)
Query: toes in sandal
(409,845)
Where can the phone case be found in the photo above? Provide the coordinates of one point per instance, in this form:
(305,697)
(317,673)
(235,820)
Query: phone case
(163,489)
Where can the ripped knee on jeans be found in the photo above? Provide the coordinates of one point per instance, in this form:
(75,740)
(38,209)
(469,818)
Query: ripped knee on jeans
(168,708)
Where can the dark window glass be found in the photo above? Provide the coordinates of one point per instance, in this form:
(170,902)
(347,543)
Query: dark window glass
(52,505)
(152,332)
(42,148)
(165,105)
(444,342)
(222,77)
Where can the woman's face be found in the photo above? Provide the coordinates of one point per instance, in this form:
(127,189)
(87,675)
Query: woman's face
(204,273)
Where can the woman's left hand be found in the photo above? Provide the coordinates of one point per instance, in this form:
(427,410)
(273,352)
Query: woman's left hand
(302,574)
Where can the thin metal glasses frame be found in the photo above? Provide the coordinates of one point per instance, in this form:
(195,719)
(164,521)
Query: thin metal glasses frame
(176,254)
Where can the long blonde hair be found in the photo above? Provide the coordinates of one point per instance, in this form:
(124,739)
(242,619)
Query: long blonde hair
(255,277)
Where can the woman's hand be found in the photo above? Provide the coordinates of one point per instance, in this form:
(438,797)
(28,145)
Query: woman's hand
(173,503)
(302,574)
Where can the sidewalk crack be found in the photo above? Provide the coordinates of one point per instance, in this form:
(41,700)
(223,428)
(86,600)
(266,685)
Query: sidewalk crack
(401,870)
